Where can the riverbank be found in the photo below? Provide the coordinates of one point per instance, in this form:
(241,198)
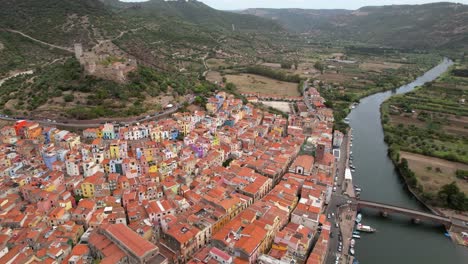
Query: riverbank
(430,137)
(341,93)
(398,239)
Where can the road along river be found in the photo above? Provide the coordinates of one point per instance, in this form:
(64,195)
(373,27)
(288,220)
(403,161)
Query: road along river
(397,240)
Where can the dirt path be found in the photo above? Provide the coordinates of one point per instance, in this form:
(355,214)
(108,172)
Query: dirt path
(432,160)
(14,75)
(42,42)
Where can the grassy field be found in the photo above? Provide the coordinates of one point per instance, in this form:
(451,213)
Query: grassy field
(216,63)
(251,83)
(379,66)
(214,77)
(433,173)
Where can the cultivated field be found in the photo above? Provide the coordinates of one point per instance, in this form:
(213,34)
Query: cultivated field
(251,83)
(379,66)
(428,173)
(451,124)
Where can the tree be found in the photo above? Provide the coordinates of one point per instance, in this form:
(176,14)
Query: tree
(319,66)
(286,65)
(452,197)
(69,98)
(230,87)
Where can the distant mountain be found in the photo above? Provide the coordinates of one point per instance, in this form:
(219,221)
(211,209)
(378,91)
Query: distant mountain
(196,13)
(439,25)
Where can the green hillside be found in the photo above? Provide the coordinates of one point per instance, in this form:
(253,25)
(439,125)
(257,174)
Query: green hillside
(439,25)
(170,41)
(62,22)
(196,13)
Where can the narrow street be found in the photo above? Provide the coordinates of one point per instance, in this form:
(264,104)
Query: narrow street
(340,209)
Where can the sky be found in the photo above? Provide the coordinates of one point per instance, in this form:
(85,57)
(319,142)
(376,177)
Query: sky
(309,4)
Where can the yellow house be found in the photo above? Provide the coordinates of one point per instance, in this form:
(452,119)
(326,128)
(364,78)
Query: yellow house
(88,186)
(149,153)
(114,152)
(106,167)
(87,189)
(99,133)
(215,140)
(155,134)
(153,167)
(50,188)
(67,205)
(22,182)
(185,126)
(279,129)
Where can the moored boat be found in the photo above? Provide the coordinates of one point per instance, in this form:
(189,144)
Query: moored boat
(356,233)
(358,218)
(351,251)
(356,236)
(353,242)
(365,228)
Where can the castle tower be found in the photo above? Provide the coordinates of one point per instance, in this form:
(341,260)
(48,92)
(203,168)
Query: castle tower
(78,51)
(320,152)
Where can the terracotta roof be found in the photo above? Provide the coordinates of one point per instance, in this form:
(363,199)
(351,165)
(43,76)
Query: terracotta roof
(130,240)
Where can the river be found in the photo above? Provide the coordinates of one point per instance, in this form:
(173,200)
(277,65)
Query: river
(397,240)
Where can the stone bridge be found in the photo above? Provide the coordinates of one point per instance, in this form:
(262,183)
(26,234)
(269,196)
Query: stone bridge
(416,215)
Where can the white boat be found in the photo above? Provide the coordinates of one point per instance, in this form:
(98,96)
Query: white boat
(356,236)
(358,218)
(365,228)
(351,251)
(353,242)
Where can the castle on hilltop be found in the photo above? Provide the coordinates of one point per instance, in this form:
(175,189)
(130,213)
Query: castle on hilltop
(106,61)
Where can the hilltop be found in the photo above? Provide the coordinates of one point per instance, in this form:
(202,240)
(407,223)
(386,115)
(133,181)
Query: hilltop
(439,25)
